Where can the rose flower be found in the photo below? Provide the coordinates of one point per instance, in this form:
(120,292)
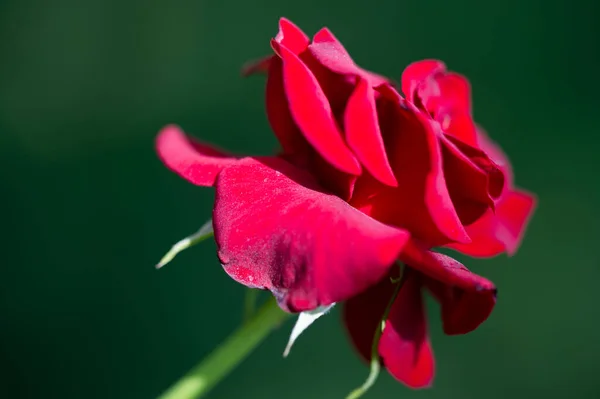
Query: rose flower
(366,177)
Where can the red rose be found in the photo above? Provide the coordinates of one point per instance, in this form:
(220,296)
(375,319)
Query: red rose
(365,178)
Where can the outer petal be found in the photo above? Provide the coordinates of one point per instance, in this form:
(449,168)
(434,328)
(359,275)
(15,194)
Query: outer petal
(404,346)
(275,229)
(503,231)
(462,310)
(363,135)
(291,139)
(422,203)
(196,162)
(311,111)
(443,268)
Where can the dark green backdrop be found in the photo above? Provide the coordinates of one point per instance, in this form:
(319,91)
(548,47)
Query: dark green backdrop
(88,209)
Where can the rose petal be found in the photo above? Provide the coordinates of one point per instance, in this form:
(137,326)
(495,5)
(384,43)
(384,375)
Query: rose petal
(494,173)
(404,345)
(443,268)
(295,147)
(416,73)
(503,231)
(311,111)
(291,139)
(196,162)
(462,310)
(495,153)
(422,204)
(330,53)
(291,36)
(455,94)
(361,126)
(474,181)
(275,229)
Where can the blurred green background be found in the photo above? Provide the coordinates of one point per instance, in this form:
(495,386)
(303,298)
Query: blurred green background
(88,209)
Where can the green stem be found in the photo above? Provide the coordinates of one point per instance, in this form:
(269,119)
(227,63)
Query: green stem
(375,365)
(221,361)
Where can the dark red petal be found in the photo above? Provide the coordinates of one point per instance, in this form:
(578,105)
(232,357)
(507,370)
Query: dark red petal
(404,347)
(494,173)
(311,111)
(291,139)
(363,135)
(462,310)
(362,315)
(327,49)
(422,203)
(503,231)
(275,229)
(196,162)
(474,181)
(443,268)
(291,36)
(416,73)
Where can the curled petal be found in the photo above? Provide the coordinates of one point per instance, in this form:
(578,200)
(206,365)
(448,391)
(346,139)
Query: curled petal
(312,112)
(462,310)
(474,181)
(196,162)
(503,231)
(443,268)
(291,36)
(422,204)
(275,229)
(363,134)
